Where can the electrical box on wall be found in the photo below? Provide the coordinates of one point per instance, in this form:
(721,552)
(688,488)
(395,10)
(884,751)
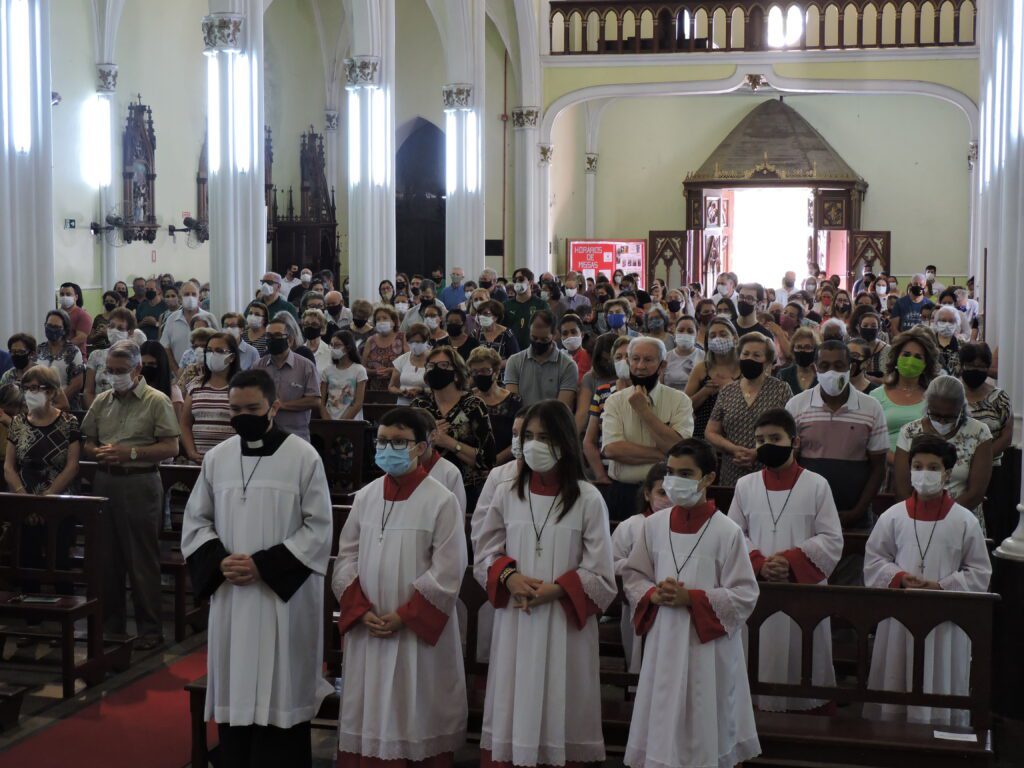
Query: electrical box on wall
(69,223)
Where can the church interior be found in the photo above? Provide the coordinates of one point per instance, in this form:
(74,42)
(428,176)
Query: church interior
(332,193)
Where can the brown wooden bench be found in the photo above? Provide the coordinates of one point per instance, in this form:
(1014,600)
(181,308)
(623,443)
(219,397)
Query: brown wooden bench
(379,397)
(335,439)
(58,512)
(373,412)
(11,697)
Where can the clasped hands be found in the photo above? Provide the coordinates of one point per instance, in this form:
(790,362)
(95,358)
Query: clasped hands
(916,582)
(671,593)
(529,593)
(775,568)
(440,436)
(239,570)
(382,626)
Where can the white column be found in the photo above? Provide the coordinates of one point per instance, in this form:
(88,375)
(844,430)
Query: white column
(332,148)
(464,205)
(238,214)
(539,260)
(26,182)
(590,172)
(1000,200)
(525,123)
(103,109)
(371,173)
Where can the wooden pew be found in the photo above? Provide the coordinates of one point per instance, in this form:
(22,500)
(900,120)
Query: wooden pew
(11,697)
(334,439)
(59,512)
(379,397)
(373,412)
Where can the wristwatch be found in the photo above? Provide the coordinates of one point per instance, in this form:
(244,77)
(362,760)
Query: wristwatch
(134,454)
(458,447)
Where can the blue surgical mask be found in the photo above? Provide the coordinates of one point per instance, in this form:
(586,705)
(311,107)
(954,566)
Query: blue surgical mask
(393,461)
(616,320)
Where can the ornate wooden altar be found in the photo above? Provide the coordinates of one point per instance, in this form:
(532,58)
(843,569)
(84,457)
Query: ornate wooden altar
(138,172)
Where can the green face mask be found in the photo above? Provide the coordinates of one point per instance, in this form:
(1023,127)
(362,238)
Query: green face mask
(911,367)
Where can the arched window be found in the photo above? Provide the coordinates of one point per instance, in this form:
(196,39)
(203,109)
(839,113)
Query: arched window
(784,31)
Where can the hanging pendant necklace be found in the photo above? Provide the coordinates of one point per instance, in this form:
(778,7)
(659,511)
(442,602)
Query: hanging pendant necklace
(924,552)
(241,469)
(384,518)
(775,520)
(704,529)
(538,533)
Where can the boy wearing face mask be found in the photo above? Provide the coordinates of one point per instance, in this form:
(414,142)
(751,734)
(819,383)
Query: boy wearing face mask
(927,541)
(690,578)
(792,531)
(401,558)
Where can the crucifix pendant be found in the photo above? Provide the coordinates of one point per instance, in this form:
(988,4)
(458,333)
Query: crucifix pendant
(539,549)
(381,539)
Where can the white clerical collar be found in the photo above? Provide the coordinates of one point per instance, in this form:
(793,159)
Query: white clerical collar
(254,445)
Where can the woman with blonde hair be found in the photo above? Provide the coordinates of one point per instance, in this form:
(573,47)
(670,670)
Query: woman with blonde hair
(502,405)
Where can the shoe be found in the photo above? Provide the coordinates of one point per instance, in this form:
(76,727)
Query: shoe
(148,643)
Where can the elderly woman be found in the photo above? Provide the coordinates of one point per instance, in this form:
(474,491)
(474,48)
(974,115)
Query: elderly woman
(380,350)
(502,405)
(740,405)
(802,374)
(656,325)
(946,324)
(910,366)
(492,333)
(60,354)
(948,417)
(719,368)
(314,323)
(463,434)
(120,326)
(22,349)
(257,318)
(407,370)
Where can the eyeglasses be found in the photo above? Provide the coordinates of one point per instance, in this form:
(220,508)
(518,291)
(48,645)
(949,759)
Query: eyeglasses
(444,365)
(399,444)
(36,388)
(483,372)
(277,336)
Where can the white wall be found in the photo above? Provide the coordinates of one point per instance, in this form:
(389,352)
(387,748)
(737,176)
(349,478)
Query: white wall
(567,186)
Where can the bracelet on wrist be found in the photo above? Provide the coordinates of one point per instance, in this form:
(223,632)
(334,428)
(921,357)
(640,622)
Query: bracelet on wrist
(506,574)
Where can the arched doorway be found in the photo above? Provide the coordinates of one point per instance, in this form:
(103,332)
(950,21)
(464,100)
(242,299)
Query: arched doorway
(420,197)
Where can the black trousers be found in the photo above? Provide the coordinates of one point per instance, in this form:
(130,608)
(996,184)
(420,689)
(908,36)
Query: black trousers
(621,499)
(265,746)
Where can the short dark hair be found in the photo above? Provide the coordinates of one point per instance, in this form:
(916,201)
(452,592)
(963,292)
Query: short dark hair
(410,418)
(831,345)
(78,292)
(977,352)
(655,474)
(257,378)
(778,417)
(458,313)
(545,317)
(757,288)
(799,309)
(24,338)
(931,267)
(699,450)
(936,446)
(528,274)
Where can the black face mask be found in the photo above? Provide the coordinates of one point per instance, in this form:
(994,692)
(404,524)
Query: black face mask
(425,302)
(454,329)
(151,373)
(358,321)
(438,378)
(602,298)
(974,378)
(540,347)
(483,381)
(277,346)
(751,369)
(20,359)
(486,284)
(804,358)
(110,306)
(843,308)
(788,284)
(166,286)
(855,367)
(746,308)
(673,306)
(916,290)
(774,456)
(310,332)
(869,334)
(706,319)
(647,382)
(415,290)
(150,294)
(251,426)
(122,292)
(333,309)
(401,287)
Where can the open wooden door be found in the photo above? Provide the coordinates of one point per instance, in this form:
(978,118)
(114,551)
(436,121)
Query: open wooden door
(867,248)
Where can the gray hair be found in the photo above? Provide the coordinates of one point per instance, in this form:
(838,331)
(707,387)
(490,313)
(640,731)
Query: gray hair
(488,272)
(949,309)
(636,341)
(919,276)
(428,285)
(287,319)
(660,311)
(317,315)
(275,275)
(126,350)
(836,323)
(948,388)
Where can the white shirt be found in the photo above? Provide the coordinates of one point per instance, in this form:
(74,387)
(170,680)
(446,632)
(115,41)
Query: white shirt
(620,422)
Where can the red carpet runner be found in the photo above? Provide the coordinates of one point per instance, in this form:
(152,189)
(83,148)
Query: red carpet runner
(143,724)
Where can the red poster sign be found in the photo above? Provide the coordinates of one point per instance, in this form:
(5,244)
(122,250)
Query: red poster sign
(594,257)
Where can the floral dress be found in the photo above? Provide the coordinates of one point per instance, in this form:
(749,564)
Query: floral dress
(738,420)
(470,424)
(379,360)
(68,364)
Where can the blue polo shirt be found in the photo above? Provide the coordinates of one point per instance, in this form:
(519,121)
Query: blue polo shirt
(452,296)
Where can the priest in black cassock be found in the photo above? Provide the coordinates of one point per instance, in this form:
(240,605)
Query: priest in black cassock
(257,538)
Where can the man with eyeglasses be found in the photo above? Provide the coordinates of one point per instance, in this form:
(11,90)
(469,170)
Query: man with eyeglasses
(295,379)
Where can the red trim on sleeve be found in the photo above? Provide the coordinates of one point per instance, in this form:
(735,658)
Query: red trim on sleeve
(423,618)
(645,614)
(578,607)
(705,620)
(497,593)
(757,561)
(354,604)
(802,570)
(897,580)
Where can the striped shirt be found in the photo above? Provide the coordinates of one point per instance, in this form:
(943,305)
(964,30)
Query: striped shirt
(211,418)
(849,434)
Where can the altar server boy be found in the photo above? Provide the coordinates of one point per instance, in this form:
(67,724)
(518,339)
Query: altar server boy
(793,534)
(925,542)
(690,578)
(401,559)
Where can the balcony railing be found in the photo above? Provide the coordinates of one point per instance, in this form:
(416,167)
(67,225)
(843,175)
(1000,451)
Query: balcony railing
(624,27)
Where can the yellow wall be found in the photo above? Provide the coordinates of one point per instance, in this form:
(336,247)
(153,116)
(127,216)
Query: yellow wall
(917,176)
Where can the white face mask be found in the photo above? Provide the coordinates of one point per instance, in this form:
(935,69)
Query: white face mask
(268,289)
(520,288)
(338,353)
(402,307)
(570,292)
(833,382)
(682,491)
(945,328)
(881,290)
(572,343)
(306,278)
(191,303)
(121,382)
(540,457)
(468,294)
(217,361)
(432,322)
(67,302)
(35,401)
(516,447)
(115,335)
(477,304)
(255,321)
(622,369)
(720,345)
(236,332)
(419,347)
(384,326)
(926,482)
(943,428)
(545,295)
(485,321)
(686,340)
